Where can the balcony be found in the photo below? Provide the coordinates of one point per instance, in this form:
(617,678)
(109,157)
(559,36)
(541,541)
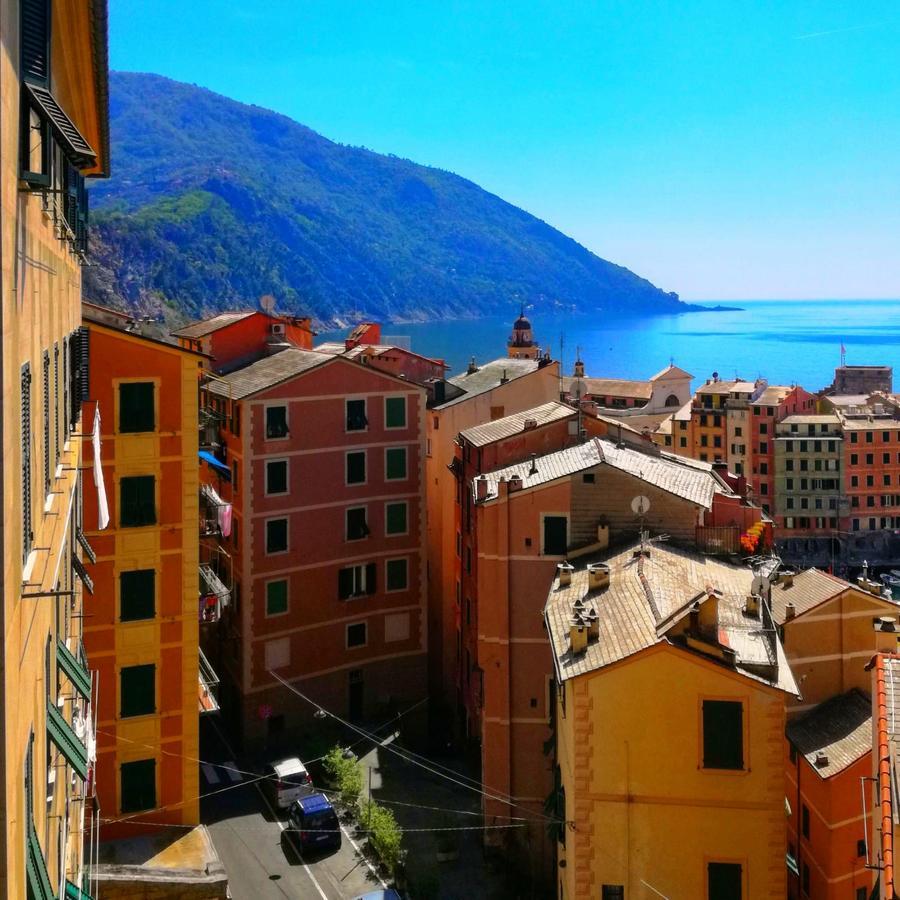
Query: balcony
(208,688)
(214,595)
(215,513)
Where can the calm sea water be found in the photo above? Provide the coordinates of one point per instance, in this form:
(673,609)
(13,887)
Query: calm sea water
(785,341)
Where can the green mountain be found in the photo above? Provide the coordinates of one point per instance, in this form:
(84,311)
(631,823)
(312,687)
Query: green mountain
(214,203)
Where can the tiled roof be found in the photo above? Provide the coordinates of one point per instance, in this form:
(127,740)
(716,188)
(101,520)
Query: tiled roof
(841,728)
(208,326)
(831,419)
(489,376)
(338,348)
(671,372)
(690,479)
(867,424)
(612,387)
(773,395)
(480,435)
(717,387)
(810,588)
(646,596)
(266,372)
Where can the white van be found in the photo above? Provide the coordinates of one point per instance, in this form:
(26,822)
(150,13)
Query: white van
(287,781)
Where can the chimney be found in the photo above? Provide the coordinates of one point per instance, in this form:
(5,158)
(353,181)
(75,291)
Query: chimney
(603,536)
(503,377)
(578,635)
(515,482)
(528,424)
(821,759)
(886,634)
(787,580)
(533,469)
(564,570)
(593,624)
(481,487)
(751,606)
(789,611)
(598,576)
(472,368)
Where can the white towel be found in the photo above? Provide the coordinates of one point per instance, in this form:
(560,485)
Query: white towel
(102,505)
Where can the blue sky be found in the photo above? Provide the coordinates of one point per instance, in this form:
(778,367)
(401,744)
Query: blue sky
(722,150)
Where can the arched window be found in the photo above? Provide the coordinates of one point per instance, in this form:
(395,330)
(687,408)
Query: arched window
(672,400)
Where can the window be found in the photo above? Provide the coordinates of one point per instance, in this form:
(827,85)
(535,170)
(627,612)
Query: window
(763,447)
(356,527)
(861,847)
(395,463)
(356,581)
(356,415)
(723,734)
(805,879)
(885,437)
(682,442)
(278,653)
(137,691)
(763,428)
(356,635)
(234,472)
(277,597)
(861,893)
(588,478)
(738,431)
(764,489)
(763,468)
(395,412)
(870,481)
(276,422)
(397,577)
(137,595)
(137,501)
(136,412)
(395,518)
(804,820)
(789,484)
(137,785)
(724,881)
(869,437)
(854,481)
(854,459)
(870,459)
(612,892)
(356,467)
(276,536)
(886,458)
(854,437)
(555,535)
(276,476)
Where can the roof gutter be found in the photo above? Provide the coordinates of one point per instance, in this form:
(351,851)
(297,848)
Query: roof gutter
(100,41)
(883,780)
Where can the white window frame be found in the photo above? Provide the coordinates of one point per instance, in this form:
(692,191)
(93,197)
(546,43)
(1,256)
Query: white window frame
(287,477)
(360,570)
(364,644)
(287,548)
(365,403)
(405,424)
(365,508)
(287,584)
(405,449)
(392,534)
(387,562)
(287,420)
(346,467)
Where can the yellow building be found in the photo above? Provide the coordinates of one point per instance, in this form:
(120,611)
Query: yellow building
(669,728)
(53,131)
(143,633)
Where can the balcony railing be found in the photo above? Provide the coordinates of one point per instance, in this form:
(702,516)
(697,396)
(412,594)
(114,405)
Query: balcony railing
(214,595)
(209,687)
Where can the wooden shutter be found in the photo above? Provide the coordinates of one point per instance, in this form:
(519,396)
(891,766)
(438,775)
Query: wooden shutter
(46,411)
(138,785)
(371,578)
(137,691)
(27,531)
(723,734)
(35,40)
(137,595)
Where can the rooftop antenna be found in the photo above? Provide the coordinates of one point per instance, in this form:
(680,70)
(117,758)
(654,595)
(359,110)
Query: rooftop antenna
(640,506)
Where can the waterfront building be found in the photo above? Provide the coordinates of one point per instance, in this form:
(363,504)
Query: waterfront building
(871,468)
(319,460)
(142,634)
(661,395)
(481,394)
(54,133)
(648,641)
(861,380)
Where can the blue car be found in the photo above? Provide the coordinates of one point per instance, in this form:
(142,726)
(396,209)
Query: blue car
(313,824)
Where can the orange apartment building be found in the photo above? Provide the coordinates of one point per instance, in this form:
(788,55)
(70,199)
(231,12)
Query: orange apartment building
(871,469)
(320,461)
(831,629)
(529,518)
(481,394)
(143,631)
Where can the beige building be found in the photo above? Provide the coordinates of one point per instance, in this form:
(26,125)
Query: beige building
(53,132)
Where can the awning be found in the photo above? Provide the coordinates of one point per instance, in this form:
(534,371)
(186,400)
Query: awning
(73,670)
(73,892)
(76,147)
(217,464)
(63,735)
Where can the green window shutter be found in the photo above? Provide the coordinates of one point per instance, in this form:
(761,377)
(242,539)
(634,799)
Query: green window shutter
(137,786)
(395,463)
(356,468)
(276,598)
(72,668)
(136,407)
(137,595)
(137,501)
(73,892)
(345,584)
(723,734)
(63,735)
(137,691)
(371,578)
(395,412)
(397,577)
(35,40)
(36,874)
(395,518)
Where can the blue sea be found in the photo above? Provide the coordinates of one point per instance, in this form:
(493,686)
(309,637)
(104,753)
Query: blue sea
(785,341)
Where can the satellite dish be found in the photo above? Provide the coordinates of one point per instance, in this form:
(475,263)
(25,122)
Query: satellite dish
(640,506)
(267,304)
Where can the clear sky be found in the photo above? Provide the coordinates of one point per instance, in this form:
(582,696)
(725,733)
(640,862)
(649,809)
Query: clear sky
(721,149)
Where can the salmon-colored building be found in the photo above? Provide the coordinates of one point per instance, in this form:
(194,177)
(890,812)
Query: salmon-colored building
(143,628)
(320,462)
(481,394)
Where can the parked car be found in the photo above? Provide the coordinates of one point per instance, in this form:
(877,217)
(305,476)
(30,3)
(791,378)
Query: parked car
(313,824)
(389,894)
(287,781)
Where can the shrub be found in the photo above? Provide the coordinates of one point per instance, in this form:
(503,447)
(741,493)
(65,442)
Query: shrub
(384,834)
(345,773)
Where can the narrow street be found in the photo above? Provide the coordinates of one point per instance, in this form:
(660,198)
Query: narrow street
(248,838)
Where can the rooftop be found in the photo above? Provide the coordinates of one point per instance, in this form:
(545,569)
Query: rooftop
(721,387)
(670,371)
(267,372)
(840,729)
(873,424)
(647,597)
(613,387)
(208,326)
(489,376)
(773,395)
(831,419)
(809,589)
(339,348)
(687,478)
(554,411)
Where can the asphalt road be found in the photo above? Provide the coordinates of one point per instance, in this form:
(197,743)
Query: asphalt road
(247,836)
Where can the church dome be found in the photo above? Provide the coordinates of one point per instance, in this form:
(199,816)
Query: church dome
(522,324)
